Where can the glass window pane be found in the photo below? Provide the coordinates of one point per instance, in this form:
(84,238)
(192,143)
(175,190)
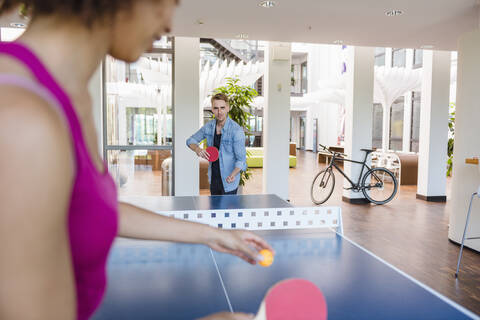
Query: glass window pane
(379,51)
(377,126)
(399,58)
(380,60)
(141,172)
(304,78)
(396,125)
(379,57)
(259,123)
(418,58)
(139,100)
(415,134)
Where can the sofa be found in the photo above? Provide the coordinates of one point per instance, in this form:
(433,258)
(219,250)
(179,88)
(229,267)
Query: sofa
(255,158)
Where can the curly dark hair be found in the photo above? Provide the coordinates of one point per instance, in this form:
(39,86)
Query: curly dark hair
(88,11)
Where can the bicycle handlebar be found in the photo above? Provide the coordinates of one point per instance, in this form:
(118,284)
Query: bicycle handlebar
(324,147)
(332,152)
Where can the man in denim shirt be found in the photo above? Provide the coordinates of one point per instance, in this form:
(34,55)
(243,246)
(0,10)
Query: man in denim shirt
(228,137)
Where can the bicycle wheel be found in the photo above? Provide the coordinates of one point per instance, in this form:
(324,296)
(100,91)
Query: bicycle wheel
(379,185)
(322,186)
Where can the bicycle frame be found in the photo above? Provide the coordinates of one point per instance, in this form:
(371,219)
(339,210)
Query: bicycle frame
(333,164)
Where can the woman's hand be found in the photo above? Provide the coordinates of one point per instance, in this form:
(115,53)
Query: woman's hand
(241,243)
(228,316)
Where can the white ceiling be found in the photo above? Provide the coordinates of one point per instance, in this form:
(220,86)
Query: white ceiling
(356,22)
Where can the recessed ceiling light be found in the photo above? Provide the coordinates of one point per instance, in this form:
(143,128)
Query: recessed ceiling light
(393,13)
(18,25)
(199,22)
(427,47)
(268,4)
(338,42)
(242,36)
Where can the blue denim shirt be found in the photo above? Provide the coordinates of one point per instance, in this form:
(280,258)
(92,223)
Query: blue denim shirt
(232,153)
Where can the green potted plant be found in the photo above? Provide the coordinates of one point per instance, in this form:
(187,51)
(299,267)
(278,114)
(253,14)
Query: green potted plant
(451,136)
(241,99)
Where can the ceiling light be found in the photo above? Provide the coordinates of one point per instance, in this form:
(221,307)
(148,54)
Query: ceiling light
(200,22)
(18,25)
(393,13)
(427,47)
(338,42)
(268,4)
(242,36)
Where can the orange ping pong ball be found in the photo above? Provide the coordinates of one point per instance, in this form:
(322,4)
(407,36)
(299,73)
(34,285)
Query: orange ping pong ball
(267,258)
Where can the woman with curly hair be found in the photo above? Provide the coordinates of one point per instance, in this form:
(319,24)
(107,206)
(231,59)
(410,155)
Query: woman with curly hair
(58,204)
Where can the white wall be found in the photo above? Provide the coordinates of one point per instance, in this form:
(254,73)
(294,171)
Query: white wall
(466,177)
(276,121)
(359,104)
(434,124)
(324,64)
(186,116)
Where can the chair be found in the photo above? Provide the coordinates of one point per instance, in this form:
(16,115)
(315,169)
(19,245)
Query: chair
(387,160)
(465,231)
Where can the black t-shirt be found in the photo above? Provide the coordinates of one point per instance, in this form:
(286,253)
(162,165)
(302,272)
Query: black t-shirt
(216,176)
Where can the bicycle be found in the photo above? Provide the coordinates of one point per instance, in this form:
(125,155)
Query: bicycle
(378,185)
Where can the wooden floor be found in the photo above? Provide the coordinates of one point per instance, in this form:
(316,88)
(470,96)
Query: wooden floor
(410,234)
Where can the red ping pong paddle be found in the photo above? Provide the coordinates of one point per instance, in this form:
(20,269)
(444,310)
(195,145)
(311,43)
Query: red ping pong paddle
(213,152)
(297,299)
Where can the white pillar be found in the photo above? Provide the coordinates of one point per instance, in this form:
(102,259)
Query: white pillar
(277,116)
(358,121)
(95,88)
(386,127)
(432,158)
(466,177)
(407,121)
(387,109)
(186,96)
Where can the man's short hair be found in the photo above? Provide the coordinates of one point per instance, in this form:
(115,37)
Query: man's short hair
(220,96)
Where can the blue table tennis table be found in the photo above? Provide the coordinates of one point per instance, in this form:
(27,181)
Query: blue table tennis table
(157,280)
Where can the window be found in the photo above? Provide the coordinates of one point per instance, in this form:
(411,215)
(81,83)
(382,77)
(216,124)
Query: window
(417,59)
(138,120)
(254,137)
(399,58)
(415,128)
(396,125)
(304,77)
(379,57)
(377,127)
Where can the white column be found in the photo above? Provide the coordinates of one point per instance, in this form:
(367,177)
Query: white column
(407,121)
(358,121)
(466,177)
(407,106)
(186,122)
(386,127)
(95,88)
(276,119)
(432,158)
(388,57)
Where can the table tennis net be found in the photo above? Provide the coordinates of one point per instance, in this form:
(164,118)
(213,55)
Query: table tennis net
(265,218)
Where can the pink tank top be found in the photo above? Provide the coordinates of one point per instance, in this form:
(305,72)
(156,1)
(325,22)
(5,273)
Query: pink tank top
(92,216)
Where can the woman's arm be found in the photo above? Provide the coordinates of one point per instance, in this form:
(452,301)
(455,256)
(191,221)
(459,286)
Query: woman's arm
(143,224)
(36,170)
